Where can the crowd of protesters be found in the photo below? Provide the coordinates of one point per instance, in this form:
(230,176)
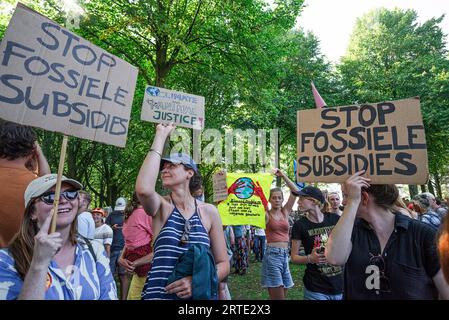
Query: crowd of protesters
(364,242)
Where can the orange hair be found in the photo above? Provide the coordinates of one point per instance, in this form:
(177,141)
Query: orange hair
(443,248)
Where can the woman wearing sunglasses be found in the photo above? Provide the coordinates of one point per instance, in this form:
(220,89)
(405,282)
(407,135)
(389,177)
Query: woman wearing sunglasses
(179,220)
(387,255)
(39,265)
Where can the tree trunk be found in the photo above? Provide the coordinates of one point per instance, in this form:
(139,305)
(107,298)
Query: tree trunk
(114,193)
(423,188)
(47,144)
(106,181)
(278,163)
(430,186)
(413,189)
(438,186)
(71,161)
(161,67)
(103,201)
(160,78)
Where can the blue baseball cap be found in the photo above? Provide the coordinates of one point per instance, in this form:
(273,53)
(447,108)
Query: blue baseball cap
(180,158)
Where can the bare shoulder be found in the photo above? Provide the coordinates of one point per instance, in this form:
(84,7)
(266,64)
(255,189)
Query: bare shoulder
(166,198)
(166,202)
(165,208)
(209,214)
(208,209)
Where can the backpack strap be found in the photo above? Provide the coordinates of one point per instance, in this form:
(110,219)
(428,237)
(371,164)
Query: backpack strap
(89,246)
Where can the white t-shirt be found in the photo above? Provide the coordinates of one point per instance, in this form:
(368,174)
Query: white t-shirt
(103,234)
(86,225)
(259,232)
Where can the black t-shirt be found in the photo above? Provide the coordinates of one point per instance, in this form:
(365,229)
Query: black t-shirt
(324,278)
(116,217)
(405,269)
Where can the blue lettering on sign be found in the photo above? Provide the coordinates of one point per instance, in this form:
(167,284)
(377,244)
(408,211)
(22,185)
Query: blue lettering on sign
(156,92)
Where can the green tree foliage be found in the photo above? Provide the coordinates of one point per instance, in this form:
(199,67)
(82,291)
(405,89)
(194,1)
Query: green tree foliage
(254,72)
(391,57)
(304,63)
(227,51)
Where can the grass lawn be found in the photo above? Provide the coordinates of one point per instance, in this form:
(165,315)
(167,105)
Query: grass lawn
(248,287)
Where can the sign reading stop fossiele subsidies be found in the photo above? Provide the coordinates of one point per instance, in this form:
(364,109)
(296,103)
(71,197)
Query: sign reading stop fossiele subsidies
(386,139)
(54,79)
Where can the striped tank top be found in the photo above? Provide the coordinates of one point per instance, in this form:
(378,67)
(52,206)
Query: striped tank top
(167,249)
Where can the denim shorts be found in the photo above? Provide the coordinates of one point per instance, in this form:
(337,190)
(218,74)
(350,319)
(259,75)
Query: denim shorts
(113,263)
(310,295)
(275,270)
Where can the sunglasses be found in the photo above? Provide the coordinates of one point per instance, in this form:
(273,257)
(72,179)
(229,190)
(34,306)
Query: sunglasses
(49,197)
(185,235)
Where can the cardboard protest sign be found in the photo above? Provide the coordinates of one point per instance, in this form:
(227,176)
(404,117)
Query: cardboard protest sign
(245,203)
(162,106)
(386,139)
(219,186)
(55,80)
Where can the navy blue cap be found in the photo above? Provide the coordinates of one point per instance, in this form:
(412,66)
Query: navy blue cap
(312,192)
(178,158)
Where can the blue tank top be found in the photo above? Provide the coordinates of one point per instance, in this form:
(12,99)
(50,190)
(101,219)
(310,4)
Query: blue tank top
(167,249)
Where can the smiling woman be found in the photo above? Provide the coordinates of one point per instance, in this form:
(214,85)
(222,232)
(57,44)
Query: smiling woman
(39,265)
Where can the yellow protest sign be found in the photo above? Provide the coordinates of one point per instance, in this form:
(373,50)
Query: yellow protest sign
(247,199)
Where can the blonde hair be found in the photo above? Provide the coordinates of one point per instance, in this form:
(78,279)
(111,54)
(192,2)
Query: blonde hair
(333,192)
(402,208)
(326,206)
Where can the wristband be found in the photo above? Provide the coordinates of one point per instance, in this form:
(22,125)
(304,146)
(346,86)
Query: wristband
(157,152)
(308,259)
